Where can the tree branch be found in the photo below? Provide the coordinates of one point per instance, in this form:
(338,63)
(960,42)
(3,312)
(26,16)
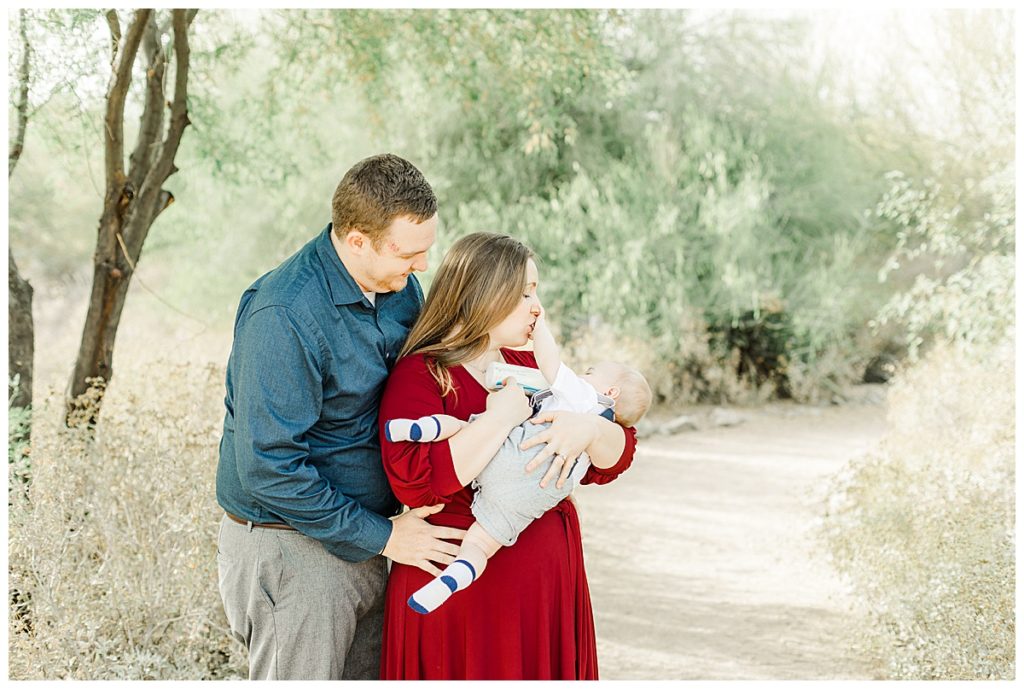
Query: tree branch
(115,33)
(152,120)
(117,91)
(179,108)
(163,167)
(23,75)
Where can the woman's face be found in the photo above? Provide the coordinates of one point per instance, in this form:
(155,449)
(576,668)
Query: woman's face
(517,328)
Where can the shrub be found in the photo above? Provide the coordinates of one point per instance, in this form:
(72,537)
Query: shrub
(923,528)
(19,422)
(696,265)
(964,234)
(112,571)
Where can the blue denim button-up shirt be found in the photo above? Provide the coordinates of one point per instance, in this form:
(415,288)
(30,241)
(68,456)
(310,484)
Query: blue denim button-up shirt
(304,381)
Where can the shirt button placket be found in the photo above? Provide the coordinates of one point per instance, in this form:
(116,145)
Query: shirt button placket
(383,337)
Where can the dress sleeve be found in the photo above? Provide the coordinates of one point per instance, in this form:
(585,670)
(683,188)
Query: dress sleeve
(602,476)
(419,473)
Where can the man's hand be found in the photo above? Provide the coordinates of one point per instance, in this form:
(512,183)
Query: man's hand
(416,542)
(510,403)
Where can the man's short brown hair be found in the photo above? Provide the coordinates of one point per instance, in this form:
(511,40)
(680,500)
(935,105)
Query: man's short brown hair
(377,190)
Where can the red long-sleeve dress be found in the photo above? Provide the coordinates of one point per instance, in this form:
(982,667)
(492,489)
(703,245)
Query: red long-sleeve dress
(529,614)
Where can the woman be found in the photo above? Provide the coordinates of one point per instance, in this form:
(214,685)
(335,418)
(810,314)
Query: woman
(530,617)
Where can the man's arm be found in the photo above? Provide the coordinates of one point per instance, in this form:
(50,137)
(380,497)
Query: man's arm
(278,398)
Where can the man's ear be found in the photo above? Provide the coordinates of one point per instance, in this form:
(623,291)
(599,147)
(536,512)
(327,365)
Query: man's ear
(613,392)
(357,242)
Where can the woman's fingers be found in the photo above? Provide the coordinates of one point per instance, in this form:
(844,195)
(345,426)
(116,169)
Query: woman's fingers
(553,470)
(533,440)
(563,475)
(541,457)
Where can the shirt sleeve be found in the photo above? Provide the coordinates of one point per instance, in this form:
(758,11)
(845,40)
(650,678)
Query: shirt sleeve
(420,473)
(278,398)
(572,393)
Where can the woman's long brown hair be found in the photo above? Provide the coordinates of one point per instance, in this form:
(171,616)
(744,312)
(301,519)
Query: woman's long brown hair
(479,283)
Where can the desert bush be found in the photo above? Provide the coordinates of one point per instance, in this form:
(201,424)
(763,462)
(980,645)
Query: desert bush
(19,420)
(695,262)
(964,235)
(112,571)
(923,527)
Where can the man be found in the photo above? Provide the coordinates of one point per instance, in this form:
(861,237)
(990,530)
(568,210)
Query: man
(308,507)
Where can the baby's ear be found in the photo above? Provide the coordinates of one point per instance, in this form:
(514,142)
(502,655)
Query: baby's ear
(613,392)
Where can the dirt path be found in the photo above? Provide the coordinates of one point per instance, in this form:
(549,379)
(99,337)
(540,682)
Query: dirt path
(702,562)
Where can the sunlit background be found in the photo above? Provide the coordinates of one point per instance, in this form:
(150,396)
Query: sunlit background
(752,206)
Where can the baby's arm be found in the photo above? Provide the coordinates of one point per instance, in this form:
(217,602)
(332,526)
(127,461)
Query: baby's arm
(427,429)
(545,349)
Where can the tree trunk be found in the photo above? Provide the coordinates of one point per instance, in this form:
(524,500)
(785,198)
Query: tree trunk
(133,199)
(96,352)
(20,335)
(112,273)
(20,338)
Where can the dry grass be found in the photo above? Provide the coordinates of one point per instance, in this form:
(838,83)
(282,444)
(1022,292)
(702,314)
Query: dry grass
(112,549)
(924,527)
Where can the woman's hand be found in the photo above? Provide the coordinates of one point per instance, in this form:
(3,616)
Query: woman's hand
(510,404)
(570,434)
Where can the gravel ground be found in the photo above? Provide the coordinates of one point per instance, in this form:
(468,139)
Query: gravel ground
(702,558)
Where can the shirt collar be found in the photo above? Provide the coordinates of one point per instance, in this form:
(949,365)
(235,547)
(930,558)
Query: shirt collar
(342,285)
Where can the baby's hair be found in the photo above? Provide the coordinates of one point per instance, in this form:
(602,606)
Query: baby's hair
(634,396)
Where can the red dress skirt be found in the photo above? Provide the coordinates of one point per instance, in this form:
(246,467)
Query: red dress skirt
(529,615)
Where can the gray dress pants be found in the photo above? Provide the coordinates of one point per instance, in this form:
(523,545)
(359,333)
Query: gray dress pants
(301,612)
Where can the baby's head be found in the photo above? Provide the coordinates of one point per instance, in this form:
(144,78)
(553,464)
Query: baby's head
(625,385)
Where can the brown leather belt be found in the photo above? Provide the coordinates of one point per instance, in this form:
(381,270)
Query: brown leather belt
(243,522)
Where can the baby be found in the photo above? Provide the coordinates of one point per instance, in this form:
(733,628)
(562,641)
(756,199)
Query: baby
(507,499)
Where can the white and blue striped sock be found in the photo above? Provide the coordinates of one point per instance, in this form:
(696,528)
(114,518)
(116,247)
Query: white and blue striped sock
(425,429)
(456,577)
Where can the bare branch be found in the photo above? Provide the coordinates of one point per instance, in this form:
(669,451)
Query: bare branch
(164,167)
(117,91)
(23,75)
(115,33)
(179,108)
(152,120)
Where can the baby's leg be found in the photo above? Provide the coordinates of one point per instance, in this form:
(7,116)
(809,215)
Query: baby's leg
(477,547)
(426,429)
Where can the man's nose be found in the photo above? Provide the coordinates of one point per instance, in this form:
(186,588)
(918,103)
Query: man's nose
(420,264)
